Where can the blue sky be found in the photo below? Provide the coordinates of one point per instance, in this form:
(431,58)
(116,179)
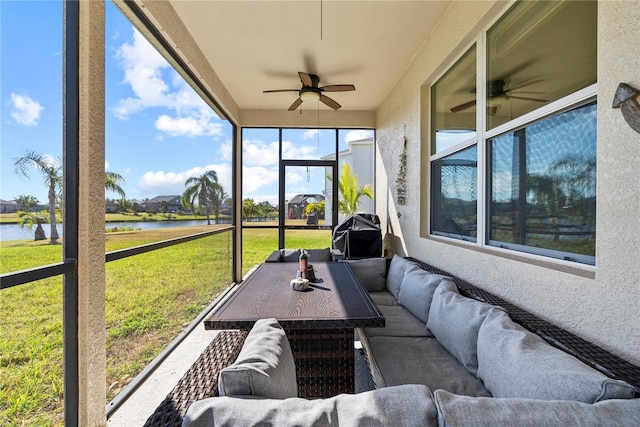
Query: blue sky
(158,131)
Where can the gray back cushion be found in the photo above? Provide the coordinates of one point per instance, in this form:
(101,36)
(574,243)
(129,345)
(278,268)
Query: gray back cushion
(455,410)
(408,405)
(455,321)
(264,367)
(514,362)
(289,255)
(417,291)
(372,272)
(318,255)
(397,268)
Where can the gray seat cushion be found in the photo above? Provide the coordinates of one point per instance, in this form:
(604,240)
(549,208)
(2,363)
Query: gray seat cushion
(454,410)
(420,360)
(408,406)
(264,367)
(372,272)
(514,362)
(383,298)
(399,323)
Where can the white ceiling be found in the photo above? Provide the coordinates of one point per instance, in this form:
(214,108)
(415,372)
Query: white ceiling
(259,45)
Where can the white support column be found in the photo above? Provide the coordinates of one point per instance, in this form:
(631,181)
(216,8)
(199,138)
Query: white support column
(91,236)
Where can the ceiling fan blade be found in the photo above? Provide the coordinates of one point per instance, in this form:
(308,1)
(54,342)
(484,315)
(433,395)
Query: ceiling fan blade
(305,79)
(524,98)
(295,104)
(523,84)
(464,106)
(329,102)
(338,88)
(281,90)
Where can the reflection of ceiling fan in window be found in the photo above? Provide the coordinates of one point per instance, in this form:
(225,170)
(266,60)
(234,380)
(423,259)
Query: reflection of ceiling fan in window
(497,94)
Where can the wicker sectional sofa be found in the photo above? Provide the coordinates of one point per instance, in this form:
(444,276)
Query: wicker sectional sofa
(443,358)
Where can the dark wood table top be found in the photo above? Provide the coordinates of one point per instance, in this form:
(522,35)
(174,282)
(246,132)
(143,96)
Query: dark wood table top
(336,299)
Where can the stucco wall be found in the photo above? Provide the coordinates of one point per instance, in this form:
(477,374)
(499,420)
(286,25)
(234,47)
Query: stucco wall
(601,304)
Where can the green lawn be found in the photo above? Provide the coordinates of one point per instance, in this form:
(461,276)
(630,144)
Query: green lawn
(150,298)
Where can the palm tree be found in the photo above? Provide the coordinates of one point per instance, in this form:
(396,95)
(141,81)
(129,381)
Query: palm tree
(26,202)
(217,199)
(248,208)
(201,189)
(52,173)
(349,192)
(113,182)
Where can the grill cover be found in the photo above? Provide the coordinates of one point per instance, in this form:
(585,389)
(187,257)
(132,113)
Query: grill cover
(359,236)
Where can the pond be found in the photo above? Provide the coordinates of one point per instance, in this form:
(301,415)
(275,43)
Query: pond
(17,232)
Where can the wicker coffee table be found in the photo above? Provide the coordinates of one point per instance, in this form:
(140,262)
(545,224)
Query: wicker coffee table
(319,322)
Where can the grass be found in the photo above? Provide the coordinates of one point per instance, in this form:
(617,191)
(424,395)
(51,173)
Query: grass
(150,298)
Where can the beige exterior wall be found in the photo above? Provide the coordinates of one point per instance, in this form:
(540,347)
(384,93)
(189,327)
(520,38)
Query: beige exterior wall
(92,336)
(601,304)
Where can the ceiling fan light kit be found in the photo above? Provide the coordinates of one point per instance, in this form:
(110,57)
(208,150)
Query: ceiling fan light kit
(309,96)
(310,91)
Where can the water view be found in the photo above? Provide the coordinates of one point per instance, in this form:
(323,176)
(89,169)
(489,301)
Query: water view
(18,232)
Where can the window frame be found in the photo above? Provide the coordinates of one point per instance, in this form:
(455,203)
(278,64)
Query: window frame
(570,101)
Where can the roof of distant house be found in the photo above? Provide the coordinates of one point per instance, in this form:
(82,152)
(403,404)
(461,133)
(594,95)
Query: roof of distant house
(301,198)
(159,199)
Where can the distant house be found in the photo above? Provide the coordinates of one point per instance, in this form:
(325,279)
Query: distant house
(296,206)
(9,206)
(154,205)
(110,206)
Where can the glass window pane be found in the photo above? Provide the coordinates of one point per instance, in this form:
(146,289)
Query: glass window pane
(537,53)
(162,142)
(453,104)
(31,130)
(31,363)
(308,144)
(454,190)
(260,162)
(543,186)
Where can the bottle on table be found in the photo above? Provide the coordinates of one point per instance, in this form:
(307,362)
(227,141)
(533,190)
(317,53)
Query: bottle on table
(303,265)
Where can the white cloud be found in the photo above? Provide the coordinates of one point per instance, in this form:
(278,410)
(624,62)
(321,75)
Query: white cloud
(226,150)
(106,165)
(188,126)
(255,178)
(25,110)
(157,183)
(356,135)
(154,83)
(258,153)
(310,134)
(292,151)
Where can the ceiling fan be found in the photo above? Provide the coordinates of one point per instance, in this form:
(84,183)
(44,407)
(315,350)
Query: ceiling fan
(496,92)
(311,92)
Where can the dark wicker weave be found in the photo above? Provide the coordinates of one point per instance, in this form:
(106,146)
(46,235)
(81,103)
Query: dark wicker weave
(594,356)
(324,361)
(200,381)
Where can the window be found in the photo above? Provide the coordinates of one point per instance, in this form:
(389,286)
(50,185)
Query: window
(512,160)
(454,195)
(542,182)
